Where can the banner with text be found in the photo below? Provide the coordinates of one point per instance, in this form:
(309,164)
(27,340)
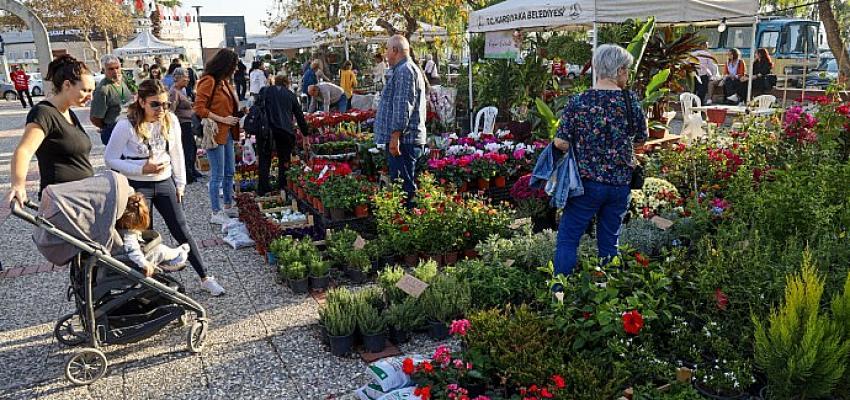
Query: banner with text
(501,45)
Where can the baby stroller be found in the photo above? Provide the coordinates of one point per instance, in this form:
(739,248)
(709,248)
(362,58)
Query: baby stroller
(115,303)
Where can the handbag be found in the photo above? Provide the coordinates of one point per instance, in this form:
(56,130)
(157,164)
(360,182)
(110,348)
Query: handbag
(197,123)
(637,179)
(210,129)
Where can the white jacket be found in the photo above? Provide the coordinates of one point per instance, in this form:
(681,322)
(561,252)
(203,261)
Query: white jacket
(127,153)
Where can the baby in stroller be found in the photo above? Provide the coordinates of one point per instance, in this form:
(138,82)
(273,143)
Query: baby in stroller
(133,222)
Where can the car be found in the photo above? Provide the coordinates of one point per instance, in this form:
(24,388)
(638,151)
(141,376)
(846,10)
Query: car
(36,84)
(824,75)
(9,92)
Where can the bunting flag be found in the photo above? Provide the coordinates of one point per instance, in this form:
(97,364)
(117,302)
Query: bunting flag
(188,19)
(140,5)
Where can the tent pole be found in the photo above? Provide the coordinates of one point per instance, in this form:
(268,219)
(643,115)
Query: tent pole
(595,44)
(752,60)
(346,49)
(469,65)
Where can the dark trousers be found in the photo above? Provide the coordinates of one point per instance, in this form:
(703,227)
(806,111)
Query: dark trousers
(733,86)
(283,143)
(162,196)
(404,167)
(21,94)
(190,150)
(702,88)
(241,89)
(106,133)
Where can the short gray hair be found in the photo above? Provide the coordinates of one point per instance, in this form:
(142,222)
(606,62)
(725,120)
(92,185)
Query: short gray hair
(109,59)
(399,42)
(608,59)
(178,73)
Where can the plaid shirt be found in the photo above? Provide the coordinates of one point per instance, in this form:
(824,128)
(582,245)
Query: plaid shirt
(402,107)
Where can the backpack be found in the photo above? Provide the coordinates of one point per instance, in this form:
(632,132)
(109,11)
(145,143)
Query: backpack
(257,121)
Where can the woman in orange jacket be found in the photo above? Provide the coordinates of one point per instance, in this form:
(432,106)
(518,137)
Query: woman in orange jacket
(216,99)
(734,78)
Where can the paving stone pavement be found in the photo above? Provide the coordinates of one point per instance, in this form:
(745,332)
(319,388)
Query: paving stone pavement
(263,342)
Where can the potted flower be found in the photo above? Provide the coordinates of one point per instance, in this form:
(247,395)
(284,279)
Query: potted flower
(295,274)
(373,328)
(533,203)
(340,323)
(443,301)
(402,318)
(359,266)
(484,170)
(319,276)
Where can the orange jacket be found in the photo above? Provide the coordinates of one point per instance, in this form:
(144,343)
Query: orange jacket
(742,68)
(223,104)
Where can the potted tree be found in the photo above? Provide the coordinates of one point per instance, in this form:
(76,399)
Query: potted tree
(373,328)
(319,272)
(340,323)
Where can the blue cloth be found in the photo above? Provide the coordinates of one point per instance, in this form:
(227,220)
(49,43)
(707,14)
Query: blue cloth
(610,203)
(222,168)
(558,175)
(168,81)
(404,167)
(342,104)
(596,123)
(403,105)
(308,79)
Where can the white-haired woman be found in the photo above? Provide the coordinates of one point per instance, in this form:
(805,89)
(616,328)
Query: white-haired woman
(181,106)
(597,125)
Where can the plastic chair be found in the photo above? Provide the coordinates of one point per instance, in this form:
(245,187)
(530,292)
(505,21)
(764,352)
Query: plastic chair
(689,101)
(764,104)
(693,122)
(489,115)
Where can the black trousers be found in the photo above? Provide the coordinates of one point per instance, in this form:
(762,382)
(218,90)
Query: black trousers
(702,88)
(283,143)
(241,89)
(734,86)
(162,196)
(190,150)
(21,94)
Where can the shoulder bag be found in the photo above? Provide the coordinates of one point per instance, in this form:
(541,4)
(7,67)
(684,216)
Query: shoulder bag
(197,123)
(637,172)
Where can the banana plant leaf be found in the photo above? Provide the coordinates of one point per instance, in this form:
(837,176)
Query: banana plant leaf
(547,117)
(639,42)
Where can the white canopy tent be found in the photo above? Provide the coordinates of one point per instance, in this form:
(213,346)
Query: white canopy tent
(537,15)
(293,37)
(146,44)
(376,34)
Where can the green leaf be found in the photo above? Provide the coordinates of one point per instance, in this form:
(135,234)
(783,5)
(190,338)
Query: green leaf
(657,80)
(638,44)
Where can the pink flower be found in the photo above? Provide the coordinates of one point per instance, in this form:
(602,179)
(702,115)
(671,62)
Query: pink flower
(458,363)
(519,154)
(459,327)
(442,354)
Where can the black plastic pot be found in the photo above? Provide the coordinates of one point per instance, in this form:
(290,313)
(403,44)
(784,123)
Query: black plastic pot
(375,343)
(357,276)
(337,214)
(438,330)
(341,345)
(320,282)
(711,394)
(299,286)
(399,336)
(323,334)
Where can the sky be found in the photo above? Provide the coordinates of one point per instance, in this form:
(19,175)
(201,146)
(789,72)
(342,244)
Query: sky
(253,10)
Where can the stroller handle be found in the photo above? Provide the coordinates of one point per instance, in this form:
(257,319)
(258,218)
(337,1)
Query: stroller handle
(24,214)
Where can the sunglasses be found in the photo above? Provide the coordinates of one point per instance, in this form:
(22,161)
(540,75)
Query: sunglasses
(157,104)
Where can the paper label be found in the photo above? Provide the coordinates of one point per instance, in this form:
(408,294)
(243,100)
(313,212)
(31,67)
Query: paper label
(412,286)
(509,262)
(519,223)
(662,223)
(359,243)
(324,171)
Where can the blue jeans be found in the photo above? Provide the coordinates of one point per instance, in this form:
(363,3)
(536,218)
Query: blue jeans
(342,104)
(222,168)
(610,203)
(404,167)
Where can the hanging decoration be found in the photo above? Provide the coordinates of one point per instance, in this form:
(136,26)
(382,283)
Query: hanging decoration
(188,19)
(140,5)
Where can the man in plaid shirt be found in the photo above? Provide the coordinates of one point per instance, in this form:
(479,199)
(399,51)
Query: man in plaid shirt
(400,122)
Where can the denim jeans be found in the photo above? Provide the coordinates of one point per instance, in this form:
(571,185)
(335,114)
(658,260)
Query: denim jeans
(342,104)
(610,204)
(222,168)
(404,167)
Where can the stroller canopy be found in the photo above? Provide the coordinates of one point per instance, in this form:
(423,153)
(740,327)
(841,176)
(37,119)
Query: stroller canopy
(85,209)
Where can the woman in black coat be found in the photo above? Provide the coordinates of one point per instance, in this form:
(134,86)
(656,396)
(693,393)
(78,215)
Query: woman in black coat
(281,105)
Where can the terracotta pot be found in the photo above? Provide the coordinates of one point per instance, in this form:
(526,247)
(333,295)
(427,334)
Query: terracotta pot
(411,260)
(438,258)
(470,253)
(499,181)
(450,258)
(317,202)
(716,115)
(657,133)
(483,184)
(361,211)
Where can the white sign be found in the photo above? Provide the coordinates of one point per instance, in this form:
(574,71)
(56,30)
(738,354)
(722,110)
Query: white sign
(501,44)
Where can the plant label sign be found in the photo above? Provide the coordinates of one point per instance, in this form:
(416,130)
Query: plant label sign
(519,223)
(359,243)
(662,223)
(412,286)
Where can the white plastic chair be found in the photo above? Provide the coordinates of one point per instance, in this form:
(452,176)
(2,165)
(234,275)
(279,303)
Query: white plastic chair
(764,104)
(692,120)
(489,115)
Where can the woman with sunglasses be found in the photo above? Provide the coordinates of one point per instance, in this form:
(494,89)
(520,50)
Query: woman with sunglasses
(146,147)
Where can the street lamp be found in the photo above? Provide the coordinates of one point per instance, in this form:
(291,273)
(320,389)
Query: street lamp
(200,33)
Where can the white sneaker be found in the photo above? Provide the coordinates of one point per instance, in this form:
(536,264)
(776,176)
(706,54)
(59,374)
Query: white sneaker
(733,98)
(219,218)
(708,102)
(212,286)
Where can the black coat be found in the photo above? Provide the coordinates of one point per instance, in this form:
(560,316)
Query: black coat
(281,105)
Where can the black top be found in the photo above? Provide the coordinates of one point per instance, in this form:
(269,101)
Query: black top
(761,68)
(281,106)
(63,156)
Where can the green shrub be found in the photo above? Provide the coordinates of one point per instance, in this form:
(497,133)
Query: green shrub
(372,296)
(405,316)
(318,267)
(370,321)
(592,378)
(495,286)
(340,244)
(445,299)
(387,280)
(426,271)
(359,260)
(339,320)
(529,251)
(294,270)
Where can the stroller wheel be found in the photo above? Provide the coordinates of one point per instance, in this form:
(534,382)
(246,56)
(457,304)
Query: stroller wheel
(68,331)
(197,337)
(86,366)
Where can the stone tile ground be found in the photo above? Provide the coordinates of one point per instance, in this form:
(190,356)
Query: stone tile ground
(262,345)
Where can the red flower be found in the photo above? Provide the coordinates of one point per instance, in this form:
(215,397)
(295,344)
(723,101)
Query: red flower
(405,228)
(423,392)
(407,366)
(427,367)
(641,260)
(558,380)
(586,315)
(544,393)
(632,322)
(721,298)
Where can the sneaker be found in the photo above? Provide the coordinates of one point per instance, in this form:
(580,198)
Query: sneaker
(211,285)
(219,218)
(709,102)
(733,98)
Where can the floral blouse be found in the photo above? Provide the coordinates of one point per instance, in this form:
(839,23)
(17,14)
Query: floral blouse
(596,125)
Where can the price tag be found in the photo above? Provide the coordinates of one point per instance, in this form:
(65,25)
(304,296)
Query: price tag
(519,223)
(324,171)
(662,223)
(359,243)
(509,262)
(412,286)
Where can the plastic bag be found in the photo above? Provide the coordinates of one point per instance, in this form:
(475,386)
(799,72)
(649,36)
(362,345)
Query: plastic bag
(401,394)
(371,391)
(388,372)
(237,235)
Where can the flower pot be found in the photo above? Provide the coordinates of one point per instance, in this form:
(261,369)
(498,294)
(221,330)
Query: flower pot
(657,133)
(499,181)
(317,203)
(341,345)
(337,214)
(470,253)
(483,184)
(357,276)
(450,258)
(711,394)
(361,211)
(271,258)
(463,188)
(375,343)
(716,115)
(411,260)
(320,282)
(438,258)
(399,336)
(438,330)
(323,334)
(299,286)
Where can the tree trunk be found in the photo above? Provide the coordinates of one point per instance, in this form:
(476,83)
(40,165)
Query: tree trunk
(108,39)
(412,26)
(833,38)
(92,47)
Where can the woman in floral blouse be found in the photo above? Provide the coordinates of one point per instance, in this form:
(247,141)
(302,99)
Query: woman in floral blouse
(596,124)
